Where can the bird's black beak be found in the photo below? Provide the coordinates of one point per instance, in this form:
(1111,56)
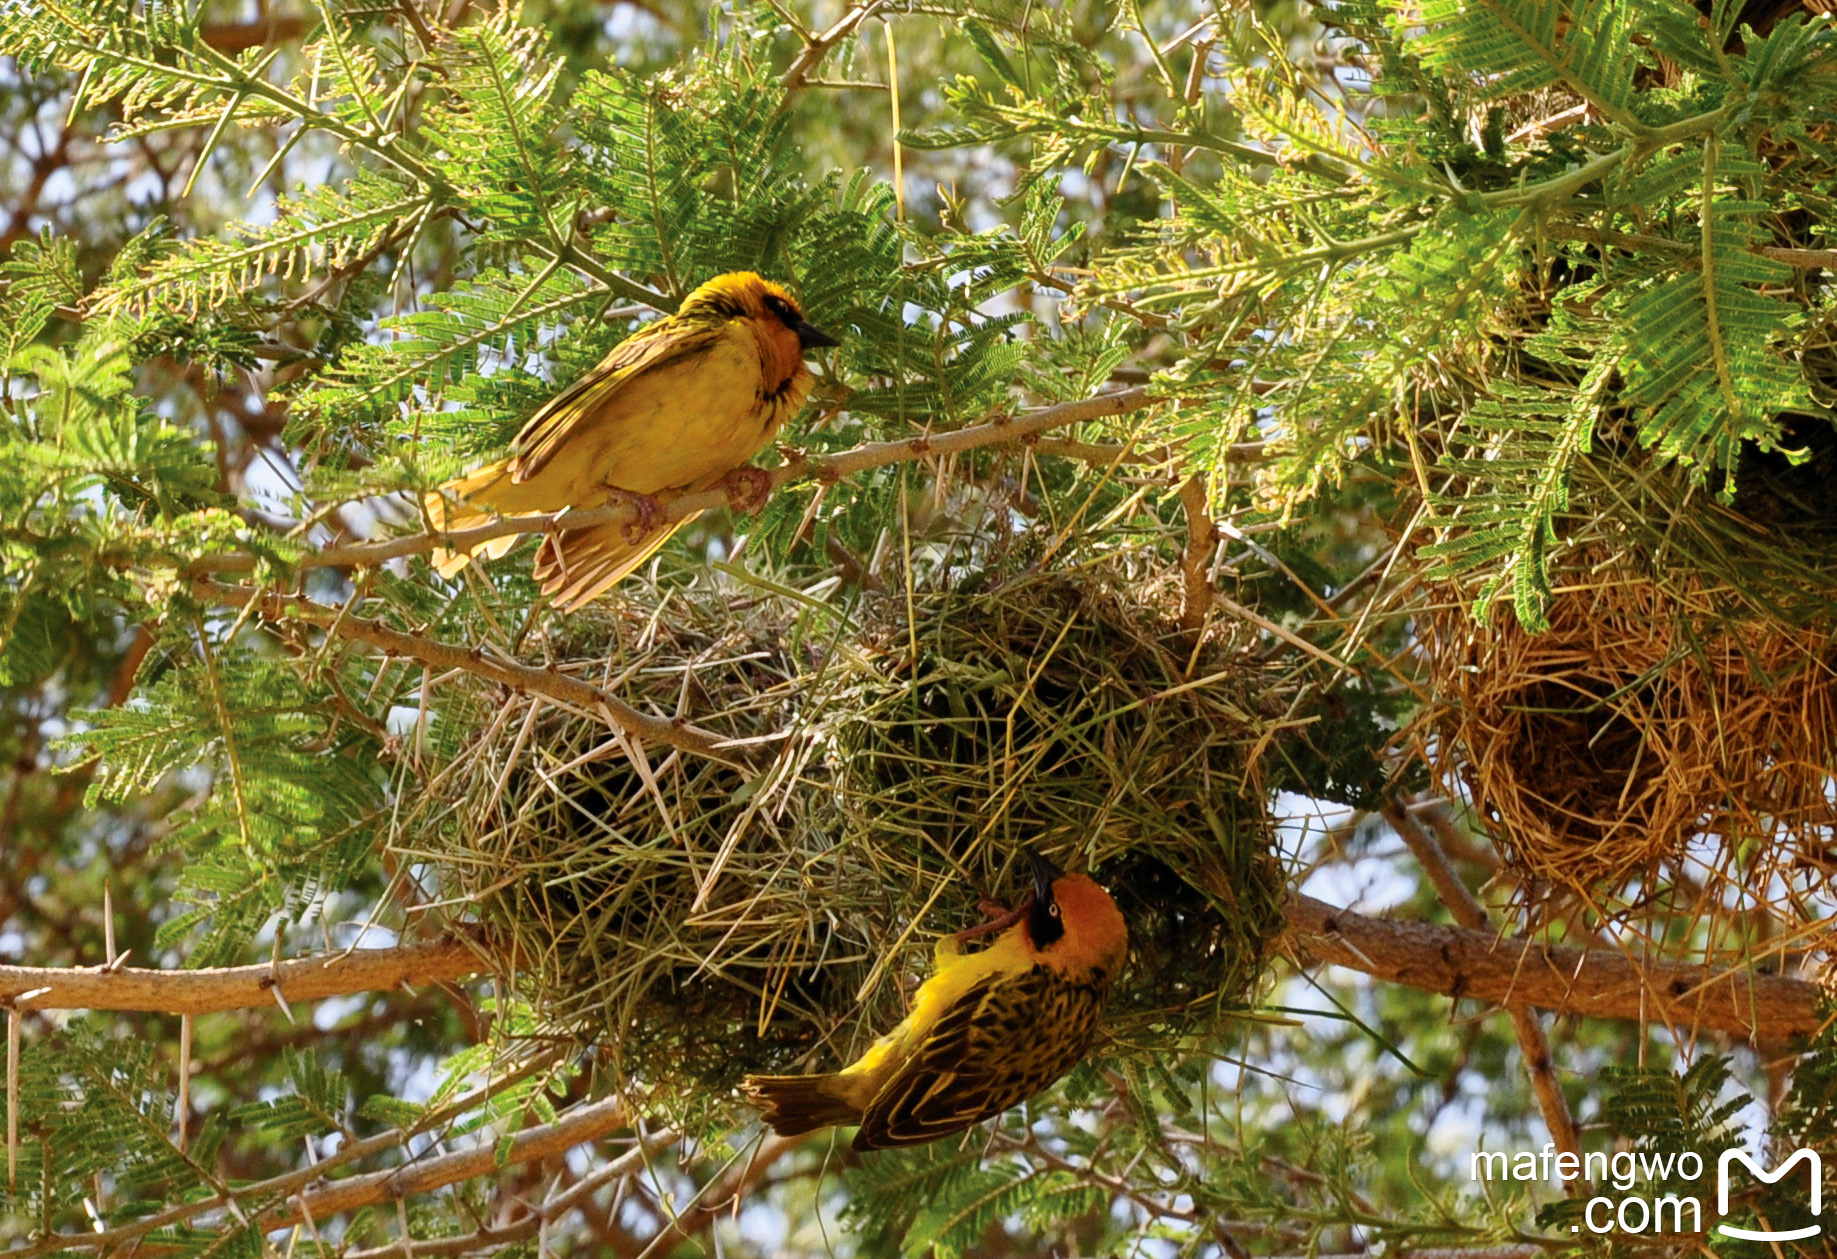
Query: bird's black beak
(1044,872)
(811,337)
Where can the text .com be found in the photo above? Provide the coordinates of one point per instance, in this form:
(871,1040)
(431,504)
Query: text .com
(1671,1213)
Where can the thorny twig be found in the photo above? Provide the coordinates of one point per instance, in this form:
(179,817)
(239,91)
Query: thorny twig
(554,684)
(1001,430)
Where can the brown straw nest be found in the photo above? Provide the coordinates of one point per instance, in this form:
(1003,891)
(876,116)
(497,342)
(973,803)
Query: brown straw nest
(699,920)
(694,916)
(1066,711)
(1656,723)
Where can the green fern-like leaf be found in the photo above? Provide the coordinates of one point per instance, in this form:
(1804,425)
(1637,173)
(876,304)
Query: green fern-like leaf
(494,131)
(1707,360)
(1511,47)
(1521,446)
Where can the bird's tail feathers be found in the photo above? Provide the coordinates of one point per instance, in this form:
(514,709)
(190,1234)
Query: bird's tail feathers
(796,1104)
(449,508)
(577,566)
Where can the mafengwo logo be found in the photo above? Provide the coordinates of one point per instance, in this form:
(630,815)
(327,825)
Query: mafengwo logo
(1816,1168)
(1673,1213)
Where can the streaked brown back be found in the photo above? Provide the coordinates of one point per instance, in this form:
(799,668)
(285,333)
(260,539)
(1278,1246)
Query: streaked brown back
(1005,1040)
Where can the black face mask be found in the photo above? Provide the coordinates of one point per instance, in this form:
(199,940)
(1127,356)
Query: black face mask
(1044,926)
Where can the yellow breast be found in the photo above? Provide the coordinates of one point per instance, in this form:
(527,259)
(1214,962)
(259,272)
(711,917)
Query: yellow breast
(679,426)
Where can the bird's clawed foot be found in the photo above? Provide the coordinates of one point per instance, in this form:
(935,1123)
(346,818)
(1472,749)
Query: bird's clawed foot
(649,511)
(747,488)
(999,919)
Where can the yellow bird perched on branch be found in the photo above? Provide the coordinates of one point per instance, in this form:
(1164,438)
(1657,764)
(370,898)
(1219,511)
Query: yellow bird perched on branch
(681,405)
(987,1031)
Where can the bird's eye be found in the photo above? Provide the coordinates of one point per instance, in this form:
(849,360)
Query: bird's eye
(1053,909)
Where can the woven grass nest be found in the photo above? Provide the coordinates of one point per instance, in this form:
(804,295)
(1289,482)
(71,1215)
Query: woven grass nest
(700,920)
(1657,723)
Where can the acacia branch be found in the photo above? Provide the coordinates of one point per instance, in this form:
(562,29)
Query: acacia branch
(1803,259)
(1116,1186)
(1201,536)
(1591,983)
(556,685)
(291,1202)
(288,1183)
(588,1123)
(213,989)
(496,1237)
(1454,961)
(817,47)
(827,468)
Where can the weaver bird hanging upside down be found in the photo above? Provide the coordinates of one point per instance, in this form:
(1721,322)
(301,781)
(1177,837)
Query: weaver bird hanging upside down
(681,405)
(987,1031)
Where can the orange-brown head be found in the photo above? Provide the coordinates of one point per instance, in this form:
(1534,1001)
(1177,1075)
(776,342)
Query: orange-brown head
(773,317)
(1073,926)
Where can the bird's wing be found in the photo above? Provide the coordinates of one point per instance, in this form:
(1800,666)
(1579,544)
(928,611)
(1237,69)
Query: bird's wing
(577,566)
(1002,1041)
(665,342)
